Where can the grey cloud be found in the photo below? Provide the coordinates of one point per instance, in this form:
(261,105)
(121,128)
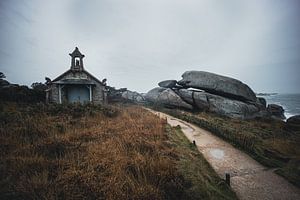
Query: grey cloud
(136,43)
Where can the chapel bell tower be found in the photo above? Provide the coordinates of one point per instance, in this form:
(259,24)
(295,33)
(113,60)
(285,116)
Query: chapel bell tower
(76,60)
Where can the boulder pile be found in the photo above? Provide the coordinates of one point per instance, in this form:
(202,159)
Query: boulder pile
(205,91)
(124,95)
(133,96)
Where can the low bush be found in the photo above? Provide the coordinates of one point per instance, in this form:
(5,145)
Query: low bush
(21,94)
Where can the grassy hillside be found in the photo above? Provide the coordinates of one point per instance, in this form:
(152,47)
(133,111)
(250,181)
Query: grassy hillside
(267,141)
(93,152)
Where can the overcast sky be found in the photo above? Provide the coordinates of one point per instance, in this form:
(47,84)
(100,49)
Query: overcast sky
(137,43)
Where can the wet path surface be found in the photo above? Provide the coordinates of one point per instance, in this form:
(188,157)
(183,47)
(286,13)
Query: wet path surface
(249,179)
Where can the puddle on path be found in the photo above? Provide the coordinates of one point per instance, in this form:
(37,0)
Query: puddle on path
(217,153)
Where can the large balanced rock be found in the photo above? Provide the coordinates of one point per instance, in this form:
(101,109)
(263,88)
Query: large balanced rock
(168,83)
(276,111)
(293,123)
(133,96)
(166,97)
(217,84)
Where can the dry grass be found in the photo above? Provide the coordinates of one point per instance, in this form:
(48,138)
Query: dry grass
(90,152)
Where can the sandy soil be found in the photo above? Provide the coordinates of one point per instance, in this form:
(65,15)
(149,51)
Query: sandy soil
(249,179)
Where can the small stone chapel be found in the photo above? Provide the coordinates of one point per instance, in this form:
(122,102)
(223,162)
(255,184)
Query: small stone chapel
(76,85)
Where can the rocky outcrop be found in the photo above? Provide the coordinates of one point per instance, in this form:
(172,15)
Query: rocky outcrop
(210,92)
(217,104)
(218,85)
(167,84)
(196,98)
(133,96)
(115,95)
(232,108)
(166,97)
(293,123)
(276,111)
(124,95)
(169,97)
(152,95)
(262,101)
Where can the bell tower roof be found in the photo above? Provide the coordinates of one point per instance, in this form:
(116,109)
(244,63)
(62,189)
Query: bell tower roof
(76,53)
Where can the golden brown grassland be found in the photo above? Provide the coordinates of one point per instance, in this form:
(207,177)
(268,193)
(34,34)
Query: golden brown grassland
(267,141)
(93,152)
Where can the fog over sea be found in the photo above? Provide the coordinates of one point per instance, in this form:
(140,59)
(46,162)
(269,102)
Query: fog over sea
(289,102)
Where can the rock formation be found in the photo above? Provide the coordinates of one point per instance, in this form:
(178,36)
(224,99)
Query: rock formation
(262,102)
(153,95)
(276,111)
(218,104)
(133,96)
(232,108)
(293,123)
(196,98)
(167,84)
(210,92)
(115,95)
(166,97)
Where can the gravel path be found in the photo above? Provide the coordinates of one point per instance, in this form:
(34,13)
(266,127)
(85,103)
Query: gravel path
(249,179)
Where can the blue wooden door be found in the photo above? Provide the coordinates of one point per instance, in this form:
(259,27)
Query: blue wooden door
(78,93)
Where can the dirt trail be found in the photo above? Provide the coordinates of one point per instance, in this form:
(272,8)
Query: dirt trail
(249,179)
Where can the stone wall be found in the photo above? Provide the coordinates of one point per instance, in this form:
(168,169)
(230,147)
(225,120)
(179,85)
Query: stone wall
(98,96)
(64,98)
(54,94)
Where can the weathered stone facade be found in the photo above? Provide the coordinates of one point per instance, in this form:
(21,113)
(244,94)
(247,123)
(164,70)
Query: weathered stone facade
(77,85)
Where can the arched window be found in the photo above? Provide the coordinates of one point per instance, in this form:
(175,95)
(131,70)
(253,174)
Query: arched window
(77,62)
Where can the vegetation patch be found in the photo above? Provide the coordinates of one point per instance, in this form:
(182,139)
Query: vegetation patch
(98,152)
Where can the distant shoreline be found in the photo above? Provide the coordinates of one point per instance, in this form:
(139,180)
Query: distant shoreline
(289,102)
(265,94)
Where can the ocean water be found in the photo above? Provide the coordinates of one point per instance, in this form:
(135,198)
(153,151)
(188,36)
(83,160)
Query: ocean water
(289,102)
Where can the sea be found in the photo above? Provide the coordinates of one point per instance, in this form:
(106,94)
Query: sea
(289,102)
